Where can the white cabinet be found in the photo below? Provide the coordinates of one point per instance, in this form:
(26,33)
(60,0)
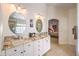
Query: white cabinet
(28,49)
(34,48)
(46,44)
(10,52)
(38,47)
(18,50)
(3,53)
(35,53)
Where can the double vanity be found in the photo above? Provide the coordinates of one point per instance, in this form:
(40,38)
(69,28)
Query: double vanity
(33,46)
(18,45)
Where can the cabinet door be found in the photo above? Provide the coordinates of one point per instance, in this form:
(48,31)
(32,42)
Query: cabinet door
(15,51)
(43,45)
(28,49)
(35,48)
(20,50)
(10,51)
(40,47)
(3,53)
(46,44)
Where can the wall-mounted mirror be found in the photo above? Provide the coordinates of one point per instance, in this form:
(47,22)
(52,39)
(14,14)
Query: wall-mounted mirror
(17,23)
(39,25)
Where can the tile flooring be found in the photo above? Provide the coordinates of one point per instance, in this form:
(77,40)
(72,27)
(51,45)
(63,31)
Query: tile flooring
(61,50)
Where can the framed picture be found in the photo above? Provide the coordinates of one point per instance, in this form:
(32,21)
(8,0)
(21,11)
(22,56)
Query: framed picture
(74,32)
(31,22)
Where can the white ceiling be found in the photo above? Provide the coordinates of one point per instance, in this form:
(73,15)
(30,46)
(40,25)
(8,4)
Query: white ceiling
(68,5)
(62,4)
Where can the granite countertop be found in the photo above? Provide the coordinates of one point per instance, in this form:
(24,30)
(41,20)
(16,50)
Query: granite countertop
(13,43)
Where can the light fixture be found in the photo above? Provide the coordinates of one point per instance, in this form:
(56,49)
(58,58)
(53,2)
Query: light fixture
(19,8)
(38,16)
(12,6)
(24,10)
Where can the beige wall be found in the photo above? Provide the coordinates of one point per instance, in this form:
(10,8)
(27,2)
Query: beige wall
(60,14)
(1,29)
(72,21)
(78,29)
(67,19)
(6,11)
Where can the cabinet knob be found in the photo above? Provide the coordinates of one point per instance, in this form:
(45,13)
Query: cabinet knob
(38,49)
(21,52)
(15,50)
(24,50)
(38,45)
(29,45)
(38,55)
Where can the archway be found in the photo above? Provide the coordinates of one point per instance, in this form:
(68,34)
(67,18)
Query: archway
(53,29)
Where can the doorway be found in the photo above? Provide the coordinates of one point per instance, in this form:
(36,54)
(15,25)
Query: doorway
(53,29)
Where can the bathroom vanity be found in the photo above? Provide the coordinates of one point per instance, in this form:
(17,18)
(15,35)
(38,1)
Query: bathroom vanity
(34,46)
(17,45)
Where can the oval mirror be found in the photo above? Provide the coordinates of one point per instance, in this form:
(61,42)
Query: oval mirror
(39,25)
(17,23)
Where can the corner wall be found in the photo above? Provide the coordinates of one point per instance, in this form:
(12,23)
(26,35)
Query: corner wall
(67,17)
(1,29)
(78,29)
(72,21)
(60,14)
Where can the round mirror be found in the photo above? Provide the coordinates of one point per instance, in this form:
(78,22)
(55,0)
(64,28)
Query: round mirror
(39,25)
(17,23)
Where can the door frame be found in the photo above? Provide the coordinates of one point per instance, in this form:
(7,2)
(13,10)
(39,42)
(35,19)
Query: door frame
(58,27)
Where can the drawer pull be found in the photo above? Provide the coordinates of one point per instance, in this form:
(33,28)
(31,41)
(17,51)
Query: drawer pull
(29,45)
(21,52)
(38,45)
(38,49)
(15,50)
(24,50)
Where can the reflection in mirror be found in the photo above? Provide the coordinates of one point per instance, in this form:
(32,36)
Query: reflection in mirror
(17,23)
(39,25)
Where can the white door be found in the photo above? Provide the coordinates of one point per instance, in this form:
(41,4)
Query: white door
(46,44)
(35,49)
(28,49)
(40,47)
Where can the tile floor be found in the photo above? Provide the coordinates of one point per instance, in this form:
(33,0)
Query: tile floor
(61,50)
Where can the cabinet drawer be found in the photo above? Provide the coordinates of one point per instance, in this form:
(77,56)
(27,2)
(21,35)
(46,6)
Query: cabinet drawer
(46,44)
(28,49)
(14,50)
(38,47)
(35,48)
(10,51)
(3,53)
